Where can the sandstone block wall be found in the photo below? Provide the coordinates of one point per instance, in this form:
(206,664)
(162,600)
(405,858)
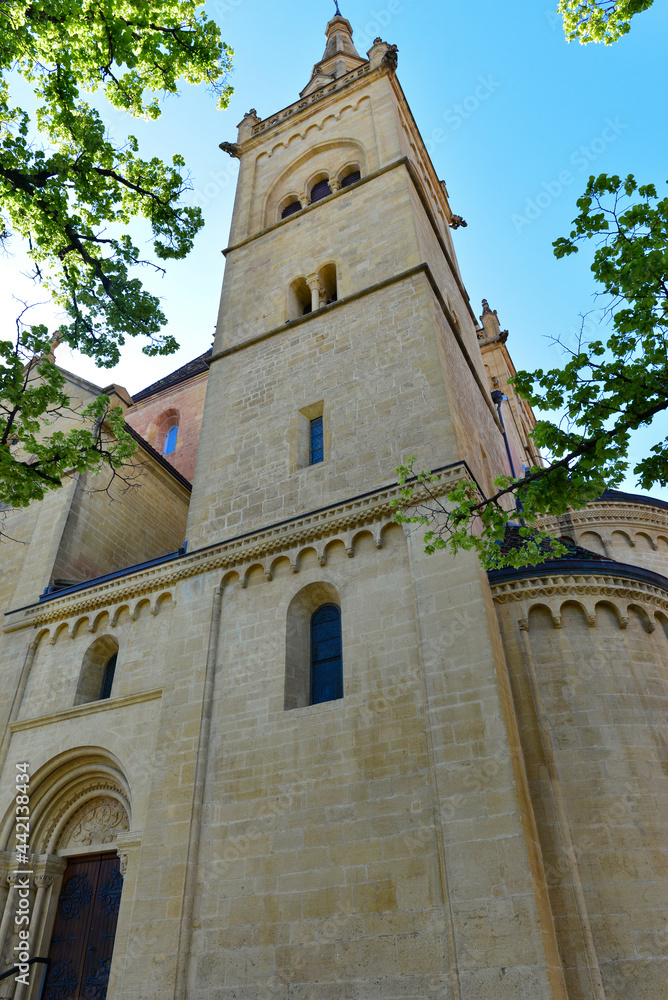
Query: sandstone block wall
(113,524)
(590,691)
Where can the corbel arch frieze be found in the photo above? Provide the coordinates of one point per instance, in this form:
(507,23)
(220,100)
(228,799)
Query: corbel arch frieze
(613,516)
(295,555)
(589,592)
(320,530)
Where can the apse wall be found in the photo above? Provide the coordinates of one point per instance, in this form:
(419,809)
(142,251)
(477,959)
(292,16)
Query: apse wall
(587,656)
(622,526)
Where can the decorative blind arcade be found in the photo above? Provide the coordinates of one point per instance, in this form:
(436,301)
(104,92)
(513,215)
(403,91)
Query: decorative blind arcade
(317,442)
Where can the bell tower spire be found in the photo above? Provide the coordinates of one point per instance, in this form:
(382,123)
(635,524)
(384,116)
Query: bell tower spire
(340,54)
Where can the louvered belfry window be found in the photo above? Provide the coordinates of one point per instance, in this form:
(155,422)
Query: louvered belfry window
(317,441)
(320,190)
(291,209)
(351,179)
(326,655)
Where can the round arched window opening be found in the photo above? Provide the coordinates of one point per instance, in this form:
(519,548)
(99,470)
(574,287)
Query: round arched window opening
(96,679)
(351,178)
(320,190)
(291,209)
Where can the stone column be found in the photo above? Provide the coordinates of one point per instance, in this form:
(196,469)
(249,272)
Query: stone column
(318,292)
(7,932)
(6,865)
(48,871)
(129,945)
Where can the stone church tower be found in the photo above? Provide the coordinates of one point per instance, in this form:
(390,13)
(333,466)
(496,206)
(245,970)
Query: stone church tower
(295,758)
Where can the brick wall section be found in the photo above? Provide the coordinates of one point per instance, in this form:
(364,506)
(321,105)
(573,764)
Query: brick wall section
(188,399)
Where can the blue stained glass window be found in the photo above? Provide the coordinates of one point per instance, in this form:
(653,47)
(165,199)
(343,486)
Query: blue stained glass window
(317,442)
(108,679)
(170,441)
(326,655)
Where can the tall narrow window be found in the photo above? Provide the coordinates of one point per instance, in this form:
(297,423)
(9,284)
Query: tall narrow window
(317,441)
(108,678)
(326,655)
(169,446)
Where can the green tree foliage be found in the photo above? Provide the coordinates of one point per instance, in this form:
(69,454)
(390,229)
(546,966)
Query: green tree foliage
(599,20)
(70,190)
(605,391)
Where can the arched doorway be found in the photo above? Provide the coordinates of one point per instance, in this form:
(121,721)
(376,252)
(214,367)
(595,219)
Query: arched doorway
(84,931)
(81,808)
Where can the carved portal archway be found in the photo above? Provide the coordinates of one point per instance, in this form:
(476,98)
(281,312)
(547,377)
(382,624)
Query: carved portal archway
(80,806)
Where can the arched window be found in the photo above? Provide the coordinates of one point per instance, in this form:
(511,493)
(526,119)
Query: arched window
(313,664)
(326,655)
(163,434)
(320,190)
(300,300)
(291,209)
(328,278)
(169,446)
(97,671)
(351,178)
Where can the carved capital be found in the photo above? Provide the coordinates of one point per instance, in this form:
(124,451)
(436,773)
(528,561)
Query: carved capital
(314,282)
(523,624)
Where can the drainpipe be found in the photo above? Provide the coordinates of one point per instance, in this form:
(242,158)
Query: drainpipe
(498,398)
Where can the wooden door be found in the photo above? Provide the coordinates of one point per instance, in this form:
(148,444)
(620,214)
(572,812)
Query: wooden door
(83,936)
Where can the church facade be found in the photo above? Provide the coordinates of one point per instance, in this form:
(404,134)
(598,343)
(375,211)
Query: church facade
(272,750)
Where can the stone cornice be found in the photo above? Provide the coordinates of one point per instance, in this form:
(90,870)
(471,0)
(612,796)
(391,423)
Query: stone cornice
(616,514)
(83,711)
(335,520)
(601,584)
(305,104)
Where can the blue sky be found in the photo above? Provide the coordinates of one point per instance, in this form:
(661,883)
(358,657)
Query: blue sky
(515,119)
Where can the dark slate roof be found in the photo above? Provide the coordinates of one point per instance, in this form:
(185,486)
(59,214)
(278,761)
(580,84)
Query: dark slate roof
(194,367)
(576,560)
(616,496)
(513,540)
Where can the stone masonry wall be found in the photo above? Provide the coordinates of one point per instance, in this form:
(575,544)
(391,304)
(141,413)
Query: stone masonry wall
(591,697)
